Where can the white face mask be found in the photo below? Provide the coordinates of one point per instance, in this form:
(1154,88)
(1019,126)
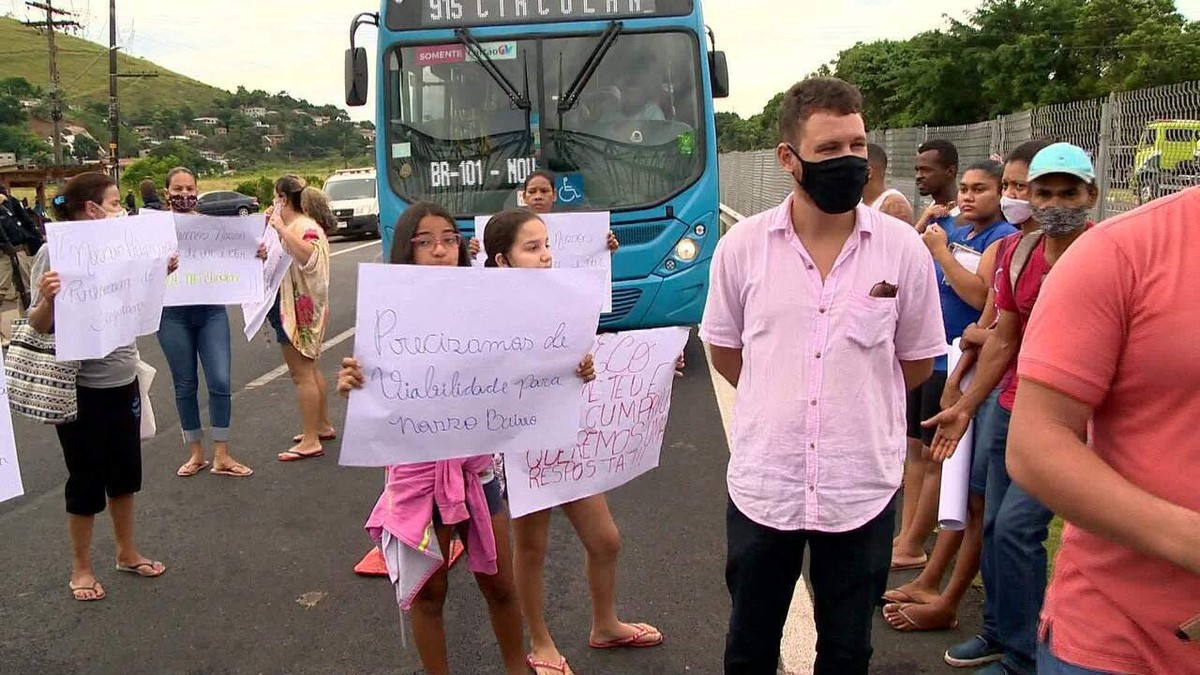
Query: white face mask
(1016,211)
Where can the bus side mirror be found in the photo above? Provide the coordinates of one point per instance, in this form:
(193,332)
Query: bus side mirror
(718,68)
(357,76)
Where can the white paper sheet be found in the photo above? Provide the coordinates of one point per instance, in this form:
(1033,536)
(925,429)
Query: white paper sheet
(956,471)
(462,362)
(114,275)
(218,263)
(622,417)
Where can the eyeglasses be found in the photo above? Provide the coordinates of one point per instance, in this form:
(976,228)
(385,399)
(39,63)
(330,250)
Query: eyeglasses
(429,242)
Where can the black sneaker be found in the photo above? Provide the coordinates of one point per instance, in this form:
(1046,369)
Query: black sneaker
(978,651)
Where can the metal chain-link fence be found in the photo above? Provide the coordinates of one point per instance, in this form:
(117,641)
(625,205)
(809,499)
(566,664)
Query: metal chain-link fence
(1145,144)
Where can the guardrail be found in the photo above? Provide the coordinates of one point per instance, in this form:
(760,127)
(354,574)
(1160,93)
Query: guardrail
(729,218)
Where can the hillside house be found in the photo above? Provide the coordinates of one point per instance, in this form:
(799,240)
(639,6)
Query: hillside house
(27,103)
(192,133)
(257,112)
(221,131)
(207,121)
(144,130)
(179,138)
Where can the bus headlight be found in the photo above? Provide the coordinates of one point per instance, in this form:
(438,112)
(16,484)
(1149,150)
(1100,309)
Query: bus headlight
(687,250)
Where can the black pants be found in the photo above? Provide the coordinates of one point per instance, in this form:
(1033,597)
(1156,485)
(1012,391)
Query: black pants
(103,448)
(849,572)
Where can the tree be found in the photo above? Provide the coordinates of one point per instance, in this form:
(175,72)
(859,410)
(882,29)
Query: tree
(11,113)
(19,87)
(85,148)
(1011,55)
(25,144)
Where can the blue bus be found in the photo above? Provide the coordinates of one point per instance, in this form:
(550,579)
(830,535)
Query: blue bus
(613,96)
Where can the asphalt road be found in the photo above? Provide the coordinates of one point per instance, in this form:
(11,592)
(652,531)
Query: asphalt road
(242,553)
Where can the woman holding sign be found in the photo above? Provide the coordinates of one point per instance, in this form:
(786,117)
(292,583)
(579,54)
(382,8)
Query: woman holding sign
(300,216)
(199,332)
(410,504)
(540,197)
(518,238)
(102,447)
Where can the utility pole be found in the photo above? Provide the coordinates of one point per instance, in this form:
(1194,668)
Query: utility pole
(114,107)
(49,25)
(114,123)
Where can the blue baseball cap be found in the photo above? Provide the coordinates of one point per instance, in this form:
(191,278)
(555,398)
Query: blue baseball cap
(1062,158)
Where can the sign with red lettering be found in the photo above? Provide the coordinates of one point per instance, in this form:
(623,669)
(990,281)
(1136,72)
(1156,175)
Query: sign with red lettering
(623,418)
(437,54)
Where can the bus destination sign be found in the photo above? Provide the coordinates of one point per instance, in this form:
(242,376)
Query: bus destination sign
(410,14)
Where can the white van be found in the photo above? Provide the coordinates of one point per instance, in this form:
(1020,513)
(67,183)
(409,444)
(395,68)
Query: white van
(354,201)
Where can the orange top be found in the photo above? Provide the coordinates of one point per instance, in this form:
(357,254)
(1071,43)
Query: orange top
(1115,328)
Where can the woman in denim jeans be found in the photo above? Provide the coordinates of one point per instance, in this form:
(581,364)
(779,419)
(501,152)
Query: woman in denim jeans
(202,331)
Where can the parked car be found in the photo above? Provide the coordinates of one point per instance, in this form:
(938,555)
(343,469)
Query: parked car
(1167,159)
(226,203)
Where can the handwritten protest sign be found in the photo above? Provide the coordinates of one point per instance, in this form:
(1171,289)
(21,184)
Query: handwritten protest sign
(273,270)
(467,362)
(218,263)
(10,471)
(114,275)
(576,240)
(622,419)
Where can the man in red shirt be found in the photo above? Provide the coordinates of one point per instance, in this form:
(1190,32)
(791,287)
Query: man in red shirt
(1062,191)
(1112,343)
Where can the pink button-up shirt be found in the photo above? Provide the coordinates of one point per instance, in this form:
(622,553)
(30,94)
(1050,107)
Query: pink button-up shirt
(819,420)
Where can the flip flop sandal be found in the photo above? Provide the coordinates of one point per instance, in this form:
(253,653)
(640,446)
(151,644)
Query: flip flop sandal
(897,596)
(920,564)
(237,471)
(560,667)
(322,437)
(190,469)
(631,641)
(911,626)
(137,569)
(293,456)
(98,593)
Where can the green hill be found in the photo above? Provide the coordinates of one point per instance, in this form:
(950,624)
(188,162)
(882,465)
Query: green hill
(83,72)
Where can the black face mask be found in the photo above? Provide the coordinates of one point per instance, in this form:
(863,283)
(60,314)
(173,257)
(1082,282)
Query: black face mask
(835,185)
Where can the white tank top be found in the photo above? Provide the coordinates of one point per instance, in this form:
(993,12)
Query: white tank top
(883,197)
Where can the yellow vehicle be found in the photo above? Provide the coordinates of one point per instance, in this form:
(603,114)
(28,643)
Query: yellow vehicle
(1167,159)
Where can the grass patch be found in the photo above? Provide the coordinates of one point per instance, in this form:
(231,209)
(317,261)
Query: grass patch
(83,72)
(322,168)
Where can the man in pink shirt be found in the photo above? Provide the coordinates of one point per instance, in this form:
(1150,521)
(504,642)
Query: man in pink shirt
(822,313)
(1112,342)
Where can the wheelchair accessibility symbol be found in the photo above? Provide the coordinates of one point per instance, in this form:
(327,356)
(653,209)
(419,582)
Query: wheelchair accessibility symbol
(570,188)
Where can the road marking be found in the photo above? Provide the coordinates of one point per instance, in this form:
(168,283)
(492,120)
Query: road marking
(352,248)
(798,651)
(278,372)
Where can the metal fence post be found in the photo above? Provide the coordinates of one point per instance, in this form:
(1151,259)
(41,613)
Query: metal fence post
(1104,162)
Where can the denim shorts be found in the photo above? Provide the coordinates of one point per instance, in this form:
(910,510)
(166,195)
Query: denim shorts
(495,501)
(276,320)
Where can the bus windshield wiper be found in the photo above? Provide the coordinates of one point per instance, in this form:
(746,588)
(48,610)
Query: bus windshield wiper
(568,100)
(475,49)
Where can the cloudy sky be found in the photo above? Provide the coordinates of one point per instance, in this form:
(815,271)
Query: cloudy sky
(297,45)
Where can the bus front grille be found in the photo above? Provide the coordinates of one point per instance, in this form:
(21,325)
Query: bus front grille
(623,302)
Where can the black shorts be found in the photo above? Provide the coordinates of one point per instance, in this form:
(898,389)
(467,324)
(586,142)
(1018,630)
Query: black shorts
(924,402)
(103,448)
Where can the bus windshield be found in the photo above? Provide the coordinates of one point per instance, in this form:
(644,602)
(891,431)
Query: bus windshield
(632,138)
